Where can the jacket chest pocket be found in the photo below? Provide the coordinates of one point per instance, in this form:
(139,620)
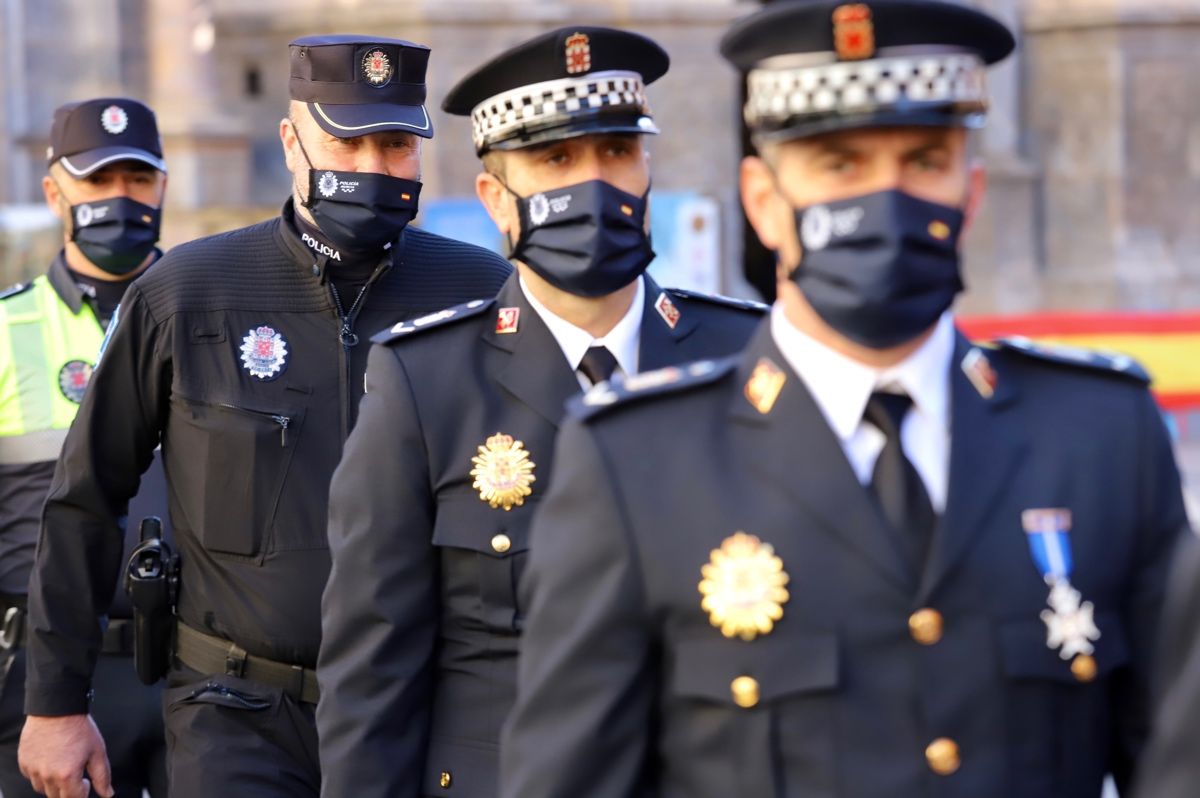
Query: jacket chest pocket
(1054,704)
(483,557)
(769,703)
(230,463)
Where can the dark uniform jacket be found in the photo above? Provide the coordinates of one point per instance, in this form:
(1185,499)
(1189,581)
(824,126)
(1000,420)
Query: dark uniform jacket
(421,617)
(248,458)
(1171,766)
(626,688)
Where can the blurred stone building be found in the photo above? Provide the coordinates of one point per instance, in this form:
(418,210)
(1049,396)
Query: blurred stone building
(1093,144)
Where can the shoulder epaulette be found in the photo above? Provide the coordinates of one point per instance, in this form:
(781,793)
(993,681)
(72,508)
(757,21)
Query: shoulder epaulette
(438,319)
(719,299)
(669,380)
(1104,362)
(14,290)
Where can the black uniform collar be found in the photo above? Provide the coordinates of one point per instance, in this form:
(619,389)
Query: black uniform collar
(65,286)
(318,254)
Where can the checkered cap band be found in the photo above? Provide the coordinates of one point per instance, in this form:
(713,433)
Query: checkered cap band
(776,96)
(539,104)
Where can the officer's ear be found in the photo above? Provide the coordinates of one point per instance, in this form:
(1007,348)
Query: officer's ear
(287,137)
(490,189)
(976,189)
(58,204)
(54,198)
(761,200)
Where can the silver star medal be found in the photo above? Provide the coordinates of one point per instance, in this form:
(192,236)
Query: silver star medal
(1069,621)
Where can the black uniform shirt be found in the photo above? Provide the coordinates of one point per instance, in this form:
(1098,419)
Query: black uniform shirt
(229,351)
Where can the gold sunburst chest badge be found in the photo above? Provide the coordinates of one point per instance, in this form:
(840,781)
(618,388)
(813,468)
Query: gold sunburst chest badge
(744,587)
(503,472)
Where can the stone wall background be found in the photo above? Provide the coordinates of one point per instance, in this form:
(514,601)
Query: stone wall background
(1093,145)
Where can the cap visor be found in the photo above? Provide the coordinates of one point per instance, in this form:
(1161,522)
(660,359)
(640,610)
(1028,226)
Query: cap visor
(611,123)
(82,164)
(830,123)
(348,121)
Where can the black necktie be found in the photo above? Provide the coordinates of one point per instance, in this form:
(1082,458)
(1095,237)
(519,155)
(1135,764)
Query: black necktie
(895,480)
(598,364)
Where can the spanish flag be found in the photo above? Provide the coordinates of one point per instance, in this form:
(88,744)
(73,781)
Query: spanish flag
(1166,344)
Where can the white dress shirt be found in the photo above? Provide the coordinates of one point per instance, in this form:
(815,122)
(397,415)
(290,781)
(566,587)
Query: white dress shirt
(622,340)
(842,386)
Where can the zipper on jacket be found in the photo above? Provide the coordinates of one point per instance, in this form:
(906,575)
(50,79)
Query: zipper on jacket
(346,335)
(283,421)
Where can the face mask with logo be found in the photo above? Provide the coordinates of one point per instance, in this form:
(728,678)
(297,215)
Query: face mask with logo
(588,239)
(115,234)
(360,211)
(880,268)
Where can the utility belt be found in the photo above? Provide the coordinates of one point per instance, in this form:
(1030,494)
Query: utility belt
(208,654)
(14,632)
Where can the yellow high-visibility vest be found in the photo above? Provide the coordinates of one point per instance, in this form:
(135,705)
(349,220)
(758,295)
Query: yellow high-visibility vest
(46,359)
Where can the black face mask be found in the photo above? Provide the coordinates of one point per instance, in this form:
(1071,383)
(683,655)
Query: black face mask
(360,211)
(115,234)
(880,268)
(588,239)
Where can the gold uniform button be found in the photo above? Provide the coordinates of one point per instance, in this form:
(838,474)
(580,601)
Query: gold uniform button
(501,543)
(745,691)
(926,626)
(942,756)
(445,780)
(1083,668)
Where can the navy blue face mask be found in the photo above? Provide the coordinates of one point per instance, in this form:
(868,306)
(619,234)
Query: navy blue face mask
(880,268)
(360,211)
(117,234)
(588,239)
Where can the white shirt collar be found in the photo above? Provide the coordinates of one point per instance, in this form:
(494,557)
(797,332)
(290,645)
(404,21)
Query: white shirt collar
(841,386)
(622,340)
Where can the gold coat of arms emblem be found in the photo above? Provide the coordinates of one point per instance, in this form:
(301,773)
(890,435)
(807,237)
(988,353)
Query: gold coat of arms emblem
(744,587)
(503,472)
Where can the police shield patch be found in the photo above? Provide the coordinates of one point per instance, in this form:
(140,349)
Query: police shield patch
(73,379)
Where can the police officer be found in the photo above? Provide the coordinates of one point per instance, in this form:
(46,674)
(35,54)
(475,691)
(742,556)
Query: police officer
(430,508)
(1170,768)
(106,182)
(866,558)
(242,354)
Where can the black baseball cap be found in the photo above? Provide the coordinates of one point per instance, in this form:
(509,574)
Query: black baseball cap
(89,135)
(567,82)
(815,66)
(357,85)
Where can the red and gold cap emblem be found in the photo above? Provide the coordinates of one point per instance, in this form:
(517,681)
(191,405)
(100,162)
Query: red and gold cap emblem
(853,32)
(578,53)
(503,472)
(744,587)
(377,67)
